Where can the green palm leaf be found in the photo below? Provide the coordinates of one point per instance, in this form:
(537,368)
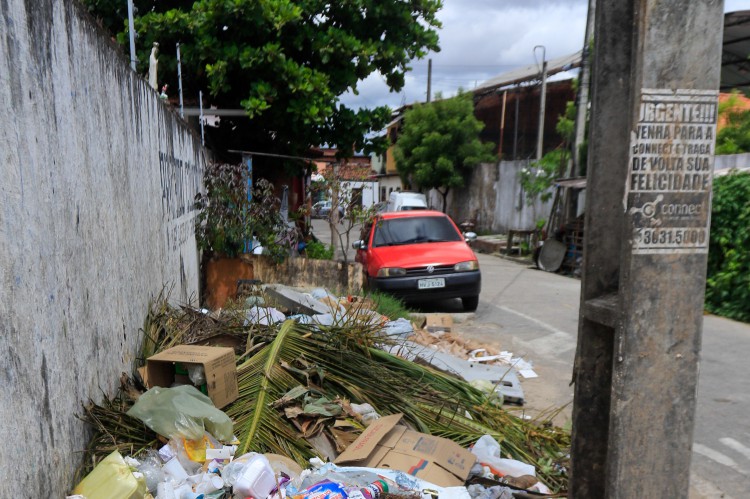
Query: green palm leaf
(262,380)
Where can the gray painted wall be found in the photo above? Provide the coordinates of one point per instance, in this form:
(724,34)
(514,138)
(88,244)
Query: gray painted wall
(723,164)
(493,196)
(96,217)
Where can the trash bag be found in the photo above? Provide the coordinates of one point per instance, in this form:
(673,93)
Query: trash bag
(487,451)
(182,411)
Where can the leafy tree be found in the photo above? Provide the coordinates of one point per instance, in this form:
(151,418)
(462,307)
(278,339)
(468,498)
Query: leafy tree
(228,220)
(734,136)
(439,144)
(337,185)
(728,280)
(539,177)
(286,62)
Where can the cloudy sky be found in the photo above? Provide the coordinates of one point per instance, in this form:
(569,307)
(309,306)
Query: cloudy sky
(481,39)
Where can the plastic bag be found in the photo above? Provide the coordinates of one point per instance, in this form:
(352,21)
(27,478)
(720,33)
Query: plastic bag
(487,451)
(400,327)
(182,411)
(264,315)
(150,465)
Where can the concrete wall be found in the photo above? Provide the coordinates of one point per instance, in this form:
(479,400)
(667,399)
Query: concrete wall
(493,196)
(723,164)
(370,191)
(337,277)
(98,179)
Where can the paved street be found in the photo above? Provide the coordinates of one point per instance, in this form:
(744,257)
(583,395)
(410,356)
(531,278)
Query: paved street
(534,314)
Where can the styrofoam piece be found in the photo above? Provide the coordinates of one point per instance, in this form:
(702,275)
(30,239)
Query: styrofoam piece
(296,302)
(264,315)
(504,376)
(399,327)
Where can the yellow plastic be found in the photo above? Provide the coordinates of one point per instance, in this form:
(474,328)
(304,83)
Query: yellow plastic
(111,479)
(196,449)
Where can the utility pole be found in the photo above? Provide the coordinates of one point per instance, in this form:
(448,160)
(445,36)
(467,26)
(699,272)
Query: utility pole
(543,99)
(576,168)
(429,80)
(179,80)
(201,118)
(651,155)
(131,33)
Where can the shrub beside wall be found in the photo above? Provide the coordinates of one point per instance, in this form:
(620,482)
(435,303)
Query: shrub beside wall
(728,280)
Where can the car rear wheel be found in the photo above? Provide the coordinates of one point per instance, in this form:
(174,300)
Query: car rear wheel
(470,303)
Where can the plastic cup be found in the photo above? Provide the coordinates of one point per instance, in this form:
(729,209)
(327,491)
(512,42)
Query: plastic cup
(174,469)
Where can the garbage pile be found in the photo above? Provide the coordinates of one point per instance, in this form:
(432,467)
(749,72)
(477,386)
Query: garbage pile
(297,395)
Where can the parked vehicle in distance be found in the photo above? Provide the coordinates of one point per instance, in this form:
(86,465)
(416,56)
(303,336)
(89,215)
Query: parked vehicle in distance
(404,201)
(322,209)
(419,256)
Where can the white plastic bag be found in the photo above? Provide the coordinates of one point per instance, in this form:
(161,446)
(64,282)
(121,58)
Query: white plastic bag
(487,451)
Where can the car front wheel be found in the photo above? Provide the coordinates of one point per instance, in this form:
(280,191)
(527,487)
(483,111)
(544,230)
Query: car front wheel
(470,303)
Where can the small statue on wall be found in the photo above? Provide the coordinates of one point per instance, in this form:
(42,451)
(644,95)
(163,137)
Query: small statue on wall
(153,62)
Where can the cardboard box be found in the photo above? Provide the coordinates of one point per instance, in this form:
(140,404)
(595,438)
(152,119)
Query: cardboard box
(218,364)
(438,322)
(385,444)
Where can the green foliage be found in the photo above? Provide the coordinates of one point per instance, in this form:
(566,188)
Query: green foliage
(537,179)
(286,62)
(728,281)
(540,176)
(439,144)
(734,137)
(318,251)
(390,306)
(228,220)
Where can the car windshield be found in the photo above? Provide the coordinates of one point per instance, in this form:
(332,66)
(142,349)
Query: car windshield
(412,230)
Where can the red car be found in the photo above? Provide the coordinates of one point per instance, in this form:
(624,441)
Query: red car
(419,256)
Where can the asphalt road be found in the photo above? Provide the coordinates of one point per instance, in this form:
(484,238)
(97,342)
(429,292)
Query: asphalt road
(534,314)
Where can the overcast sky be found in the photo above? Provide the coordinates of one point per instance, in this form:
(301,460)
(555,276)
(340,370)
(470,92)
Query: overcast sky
(481,39)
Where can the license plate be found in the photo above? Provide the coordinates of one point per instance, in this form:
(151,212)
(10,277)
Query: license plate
(438,282)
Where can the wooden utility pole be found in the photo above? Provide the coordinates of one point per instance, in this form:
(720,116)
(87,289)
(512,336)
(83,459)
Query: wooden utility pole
(651,154)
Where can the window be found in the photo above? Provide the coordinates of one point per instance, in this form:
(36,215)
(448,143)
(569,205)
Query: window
(413,230)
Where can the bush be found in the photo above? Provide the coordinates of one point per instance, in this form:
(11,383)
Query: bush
(318,251)
(728,280)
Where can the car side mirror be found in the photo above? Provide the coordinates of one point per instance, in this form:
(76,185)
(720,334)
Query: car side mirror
(470,236)
(359,245)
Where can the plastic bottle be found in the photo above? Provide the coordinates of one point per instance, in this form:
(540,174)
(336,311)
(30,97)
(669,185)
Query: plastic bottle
(372,491)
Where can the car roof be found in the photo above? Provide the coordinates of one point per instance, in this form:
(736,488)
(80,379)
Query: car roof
(387,215)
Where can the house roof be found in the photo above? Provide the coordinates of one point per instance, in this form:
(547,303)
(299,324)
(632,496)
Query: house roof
(529,73)
(735,66)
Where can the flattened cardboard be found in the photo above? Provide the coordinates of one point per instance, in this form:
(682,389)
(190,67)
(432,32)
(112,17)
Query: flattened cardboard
(385,444)
(218,364)
(438,322)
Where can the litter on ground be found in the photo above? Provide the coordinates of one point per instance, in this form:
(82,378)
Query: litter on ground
(242,403)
